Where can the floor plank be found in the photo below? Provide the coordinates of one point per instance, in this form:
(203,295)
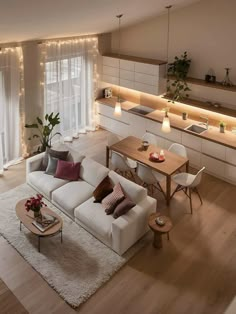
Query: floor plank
(193,273)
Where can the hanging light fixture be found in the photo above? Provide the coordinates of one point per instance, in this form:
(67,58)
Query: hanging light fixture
(166,122)
(117,111)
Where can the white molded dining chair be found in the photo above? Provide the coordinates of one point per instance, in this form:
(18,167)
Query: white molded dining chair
(112,139)
(150,179)
(151,138)
(188,183)
(122,165)
(178,149)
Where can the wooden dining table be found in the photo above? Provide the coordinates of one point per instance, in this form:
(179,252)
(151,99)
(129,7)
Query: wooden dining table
(131,147)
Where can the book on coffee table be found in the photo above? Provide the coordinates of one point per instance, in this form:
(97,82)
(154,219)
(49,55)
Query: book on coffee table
(45,223)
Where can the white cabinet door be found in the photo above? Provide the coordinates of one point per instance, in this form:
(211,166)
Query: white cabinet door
(230,173)
(153,127)
(231,155)
(194,158)
(146,79)
(213,166)
(174,135)
(127,75)
(112,62)
(114,126)
(109,112)
(192,141)
(127,65)
(137,125)
(106,70)
(145,88)
(213,149)
(147,68)
(110,79)
(127,83)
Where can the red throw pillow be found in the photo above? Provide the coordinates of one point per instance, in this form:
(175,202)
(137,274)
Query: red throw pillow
(67,170)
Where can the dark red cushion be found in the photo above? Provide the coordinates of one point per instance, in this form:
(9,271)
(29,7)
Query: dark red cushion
(104,188)
(123,207)
(68,170)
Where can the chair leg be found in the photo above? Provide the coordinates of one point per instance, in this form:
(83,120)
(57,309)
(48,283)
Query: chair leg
(132,176)
(176,190)
(196,190)
(190,200)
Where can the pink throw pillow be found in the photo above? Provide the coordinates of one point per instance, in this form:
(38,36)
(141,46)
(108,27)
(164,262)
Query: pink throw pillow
(67,170)
(111,200)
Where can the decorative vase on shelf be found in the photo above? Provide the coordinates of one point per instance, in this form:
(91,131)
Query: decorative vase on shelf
(222,126)
(227,82)
(184,115)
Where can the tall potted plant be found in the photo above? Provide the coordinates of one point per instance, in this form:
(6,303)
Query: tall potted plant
(178,70)
(45,130)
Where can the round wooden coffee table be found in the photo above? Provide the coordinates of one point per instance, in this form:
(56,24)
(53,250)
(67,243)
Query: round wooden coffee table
(159,230)
(26,218)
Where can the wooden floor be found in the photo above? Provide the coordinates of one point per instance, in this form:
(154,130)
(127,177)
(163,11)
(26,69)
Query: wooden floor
(195,272)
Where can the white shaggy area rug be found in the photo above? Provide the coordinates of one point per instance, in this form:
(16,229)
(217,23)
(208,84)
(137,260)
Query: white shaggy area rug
(77,267)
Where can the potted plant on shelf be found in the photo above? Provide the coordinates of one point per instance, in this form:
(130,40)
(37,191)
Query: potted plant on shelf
(178,89)
(44,130)
(184,115)
(222,125)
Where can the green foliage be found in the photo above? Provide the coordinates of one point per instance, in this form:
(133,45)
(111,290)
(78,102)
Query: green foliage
(222,124)
(45,129)
(178,89)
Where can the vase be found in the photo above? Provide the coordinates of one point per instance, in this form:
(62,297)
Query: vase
(184,115)
(37,214)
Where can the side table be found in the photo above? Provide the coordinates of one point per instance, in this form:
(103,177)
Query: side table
(159,230)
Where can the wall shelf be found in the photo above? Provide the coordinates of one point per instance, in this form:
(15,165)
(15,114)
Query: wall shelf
(201,82)
(135,59)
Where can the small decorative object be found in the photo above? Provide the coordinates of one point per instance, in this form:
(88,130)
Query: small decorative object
(184,115)
(45,130)
(222,125)
(178,90)
(155,157)
(107,92)
(160,221)
(226,81)
(35,204)
(161,155)
(145,145)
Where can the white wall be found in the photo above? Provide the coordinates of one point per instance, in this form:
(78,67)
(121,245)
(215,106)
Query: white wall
(206,30)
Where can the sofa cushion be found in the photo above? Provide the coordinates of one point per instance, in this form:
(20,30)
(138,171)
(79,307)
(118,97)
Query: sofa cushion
(71,195)
(53,153)
(52,165)
(68,170)
(73,154)
(92,172)
(110,202)
(134,191)
(104,188)
(123,207)
(45,183)
(94,217)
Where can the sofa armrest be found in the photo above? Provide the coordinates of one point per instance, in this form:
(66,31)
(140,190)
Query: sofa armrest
(34,163)
(129,228)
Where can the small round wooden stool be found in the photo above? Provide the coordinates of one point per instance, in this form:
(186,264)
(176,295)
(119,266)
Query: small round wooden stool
(159,230)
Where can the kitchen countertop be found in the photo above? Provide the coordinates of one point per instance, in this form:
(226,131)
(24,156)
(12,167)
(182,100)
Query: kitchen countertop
(212,134)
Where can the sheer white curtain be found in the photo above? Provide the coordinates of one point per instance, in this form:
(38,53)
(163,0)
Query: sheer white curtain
(10,88)
(70,82)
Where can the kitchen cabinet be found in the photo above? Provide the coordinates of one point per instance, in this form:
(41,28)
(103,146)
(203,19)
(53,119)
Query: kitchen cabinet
(140,76)
(213,149)
(137,125)
(230,155)
(194,158)
(213,166)
(230,173)
(192,141)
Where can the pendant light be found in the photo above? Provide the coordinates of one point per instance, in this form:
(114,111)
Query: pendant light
(117,111)
(166,122)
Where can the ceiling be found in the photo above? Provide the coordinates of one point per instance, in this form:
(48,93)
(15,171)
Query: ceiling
(22,20)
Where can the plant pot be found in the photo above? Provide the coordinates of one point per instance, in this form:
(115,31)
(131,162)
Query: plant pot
(222,129)
(184,116)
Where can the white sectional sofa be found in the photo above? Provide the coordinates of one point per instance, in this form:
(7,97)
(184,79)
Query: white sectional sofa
(75,199)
